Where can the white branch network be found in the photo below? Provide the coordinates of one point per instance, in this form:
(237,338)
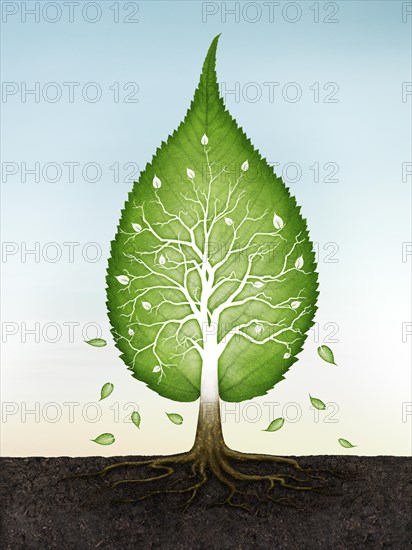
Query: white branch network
(182,275)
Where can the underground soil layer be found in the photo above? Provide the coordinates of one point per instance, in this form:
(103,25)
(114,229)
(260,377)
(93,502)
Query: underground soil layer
(369,507)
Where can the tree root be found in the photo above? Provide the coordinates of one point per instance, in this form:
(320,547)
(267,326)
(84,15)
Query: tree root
(216,461)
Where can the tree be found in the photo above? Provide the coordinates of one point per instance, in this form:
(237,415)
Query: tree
(211,282)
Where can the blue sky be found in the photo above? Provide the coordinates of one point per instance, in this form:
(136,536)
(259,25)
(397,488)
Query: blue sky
(360,62)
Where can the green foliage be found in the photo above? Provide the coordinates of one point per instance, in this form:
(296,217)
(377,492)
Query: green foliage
(175,418)
(345,443)
(317,403)
(275,425)
(96,342)
(211,249)
(106,390)
(136,419)
(104,439)
(326,354)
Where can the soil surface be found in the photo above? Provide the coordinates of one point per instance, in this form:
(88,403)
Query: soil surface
(369,508)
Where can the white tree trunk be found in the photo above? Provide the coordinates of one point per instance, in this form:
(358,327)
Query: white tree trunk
(209,387)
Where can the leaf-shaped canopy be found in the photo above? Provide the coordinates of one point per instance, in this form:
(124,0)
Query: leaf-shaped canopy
(210,247)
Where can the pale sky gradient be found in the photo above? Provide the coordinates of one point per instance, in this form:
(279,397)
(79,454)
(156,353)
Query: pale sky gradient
(364,295)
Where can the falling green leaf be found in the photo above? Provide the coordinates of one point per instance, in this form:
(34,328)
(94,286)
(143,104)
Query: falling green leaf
(96,342)
(275,425)
(175,418)
(106,390)
(326,354)
(136,419)
(104,439)
(345,443)
(317,403)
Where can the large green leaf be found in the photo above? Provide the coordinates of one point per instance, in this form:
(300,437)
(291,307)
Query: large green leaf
(210,237)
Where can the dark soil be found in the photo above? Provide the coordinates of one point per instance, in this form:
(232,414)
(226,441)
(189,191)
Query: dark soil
(369,508)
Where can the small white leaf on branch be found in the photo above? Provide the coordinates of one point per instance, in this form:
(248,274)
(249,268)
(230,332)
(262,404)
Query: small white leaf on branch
(162,260)
(277,222)
(204,140)
(295,304)
(258,284)
(299,263)
(131,332)
(245,166)
(286,356)
(147,306)
(123,279)
(156,182)
(156,369)
(228,221)
(137,227)
(190,173)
